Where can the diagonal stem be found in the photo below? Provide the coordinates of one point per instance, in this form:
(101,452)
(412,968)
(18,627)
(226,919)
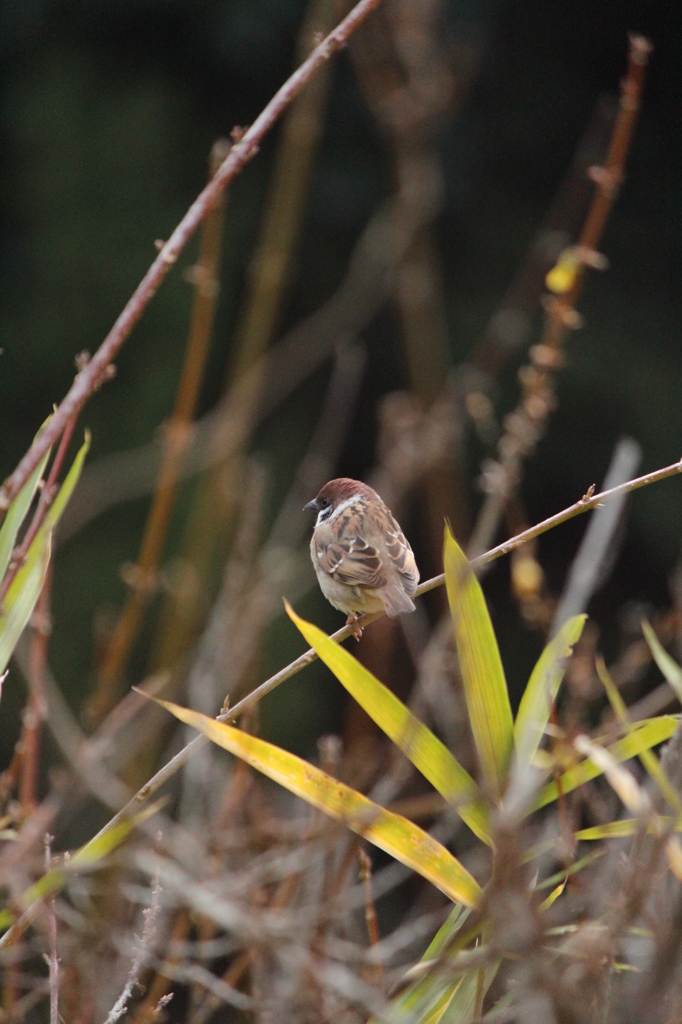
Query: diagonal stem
(585,504)
(96,371)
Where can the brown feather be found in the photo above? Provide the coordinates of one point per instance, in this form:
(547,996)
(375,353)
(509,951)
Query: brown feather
(361,556)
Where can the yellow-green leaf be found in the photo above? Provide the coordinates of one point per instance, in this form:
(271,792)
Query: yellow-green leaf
(646,735)
(466,1000)
(426,752)
(16,514)
(25,588)
(485,688)
(620,829)
(647,757)
(572,869)
(554,895)
(541,691)
(390,832)
(21,598)
(88,856)
(54,513)
(429,990)
(668,666)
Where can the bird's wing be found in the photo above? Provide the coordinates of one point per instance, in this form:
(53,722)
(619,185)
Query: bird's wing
(401,556)
(351,561)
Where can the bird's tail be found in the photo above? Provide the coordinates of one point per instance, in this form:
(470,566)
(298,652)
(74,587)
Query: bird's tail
(396,601)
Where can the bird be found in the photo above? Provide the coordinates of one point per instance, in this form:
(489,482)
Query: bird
(361,556)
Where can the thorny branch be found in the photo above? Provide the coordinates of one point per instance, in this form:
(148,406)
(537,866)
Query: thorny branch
(525,426)
(95,372)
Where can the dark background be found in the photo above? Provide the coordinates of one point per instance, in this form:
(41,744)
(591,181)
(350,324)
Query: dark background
(108,112)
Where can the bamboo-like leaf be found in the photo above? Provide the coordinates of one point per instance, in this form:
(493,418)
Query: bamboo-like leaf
(390,832)
(54,513)
(647,757)
(622,781)
(468,995)
(541,691)
(611,830)
(668,666)
(426,752)
(88,856)
(634,797)
(646,735)
(572,869)
(673,855)
(25,588)
(428,990)
(21,598)
(16,514)
(485,687)
(553,896)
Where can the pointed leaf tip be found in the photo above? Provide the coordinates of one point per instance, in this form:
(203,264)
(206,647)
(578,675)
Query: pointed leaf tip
(541,691)
(426,752)
(485,686)
(390,832)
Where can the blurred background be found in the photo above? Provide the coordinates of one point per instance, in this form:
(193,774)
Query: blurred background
(381,280)
(370,301)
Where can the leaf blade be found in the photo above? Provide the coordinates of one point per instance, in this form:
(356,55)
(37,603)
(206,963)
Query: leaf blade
(395,835)
(22,596)
(16,514)
(650,733)
(25,588)
(668,666)
(541,691)
(426,752)
(485,687)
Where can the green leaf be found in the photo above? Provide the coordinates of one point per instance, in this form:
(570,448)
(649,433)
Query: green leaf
(621,828)
(426,752)
(54,513)
(88,856)
(25,588)
(485,688)
(670,669)
(466,1000)
(648,759)
(21,598)
(390,832)
(16,514)
(572,869)
(428,990)
(541,691)
(644,736)
(553,896)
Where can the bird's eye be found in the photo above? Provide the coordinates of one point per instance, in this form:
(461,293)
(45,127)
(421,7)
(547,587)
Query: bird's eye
(324,503)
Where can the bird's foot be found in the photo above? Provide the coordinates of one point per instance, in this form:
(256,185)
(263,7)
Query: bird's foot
(353,622)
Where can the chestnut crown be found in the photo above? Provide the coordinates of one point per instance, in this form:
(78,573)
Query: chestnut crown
(335,492)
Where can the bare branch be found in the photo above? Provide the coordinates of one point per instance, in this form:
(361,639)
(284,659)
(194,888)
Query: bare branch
(95,372)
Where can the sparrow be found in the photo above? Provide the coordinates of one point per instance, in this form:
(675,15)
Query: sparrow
(362,559)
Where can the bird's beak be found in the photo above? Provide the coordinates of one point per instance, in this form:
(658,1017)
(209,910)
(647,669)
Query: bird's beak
(312,506)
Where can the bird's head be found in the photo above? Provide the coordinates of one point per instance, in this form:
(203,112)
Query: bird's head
(336,494)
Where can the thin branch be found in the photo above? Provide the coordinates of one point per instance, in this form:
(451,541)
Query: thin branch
(142,955)
(525,426)
(588,502)
(36,707)
(585,504)
(371,921)
(596,554)
(52,959)
(94,374)
(144,584)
